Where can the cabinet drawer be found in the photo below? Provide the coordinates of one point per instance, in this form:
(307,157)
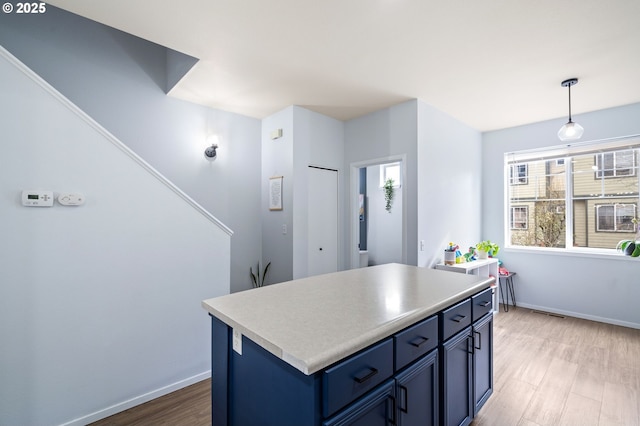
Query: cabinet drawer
(415,341)
(481,304)
(355,376)
(454,319)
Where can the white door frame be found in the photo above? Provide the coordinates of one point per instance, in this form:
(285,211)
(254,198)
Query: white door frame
(354,204)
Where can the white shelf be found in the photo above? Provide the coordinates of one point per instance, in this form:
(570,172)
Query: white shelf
(482,268)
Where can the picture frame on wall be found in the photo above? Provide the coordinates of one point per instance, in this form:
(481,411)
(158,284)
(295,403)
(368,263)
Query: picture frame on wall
(275,193)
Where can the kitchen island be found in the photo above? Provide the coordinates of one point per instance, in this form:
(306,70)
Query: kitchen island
(335,348)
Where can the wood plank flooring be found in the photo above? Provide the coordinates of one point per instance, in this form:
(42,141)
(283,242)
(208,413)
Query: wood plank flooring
(558,371)
(547,371)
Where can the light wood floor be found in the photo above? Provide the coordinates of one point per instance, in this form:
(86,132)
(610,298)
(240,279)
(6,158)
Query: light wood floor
(547,371)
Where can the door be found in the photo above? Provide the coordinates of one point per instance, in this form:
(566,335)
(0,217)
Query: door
(417,393)
(377,408)
(322,249)
(456,389)
(482,361)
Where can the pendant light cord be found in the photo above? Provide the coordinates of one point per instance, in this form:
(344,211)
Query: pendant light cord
(569,86)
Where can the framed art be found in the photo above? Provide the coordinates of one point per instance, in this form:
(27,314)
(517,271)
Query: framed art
(275,193)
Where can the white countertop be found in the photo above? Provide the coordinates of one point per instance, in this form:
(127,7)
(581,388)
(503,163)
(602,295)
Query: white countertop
(313,322)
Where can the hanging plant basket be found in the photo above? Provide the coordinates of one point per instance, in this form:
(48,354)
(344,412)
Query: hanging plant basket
(388,194)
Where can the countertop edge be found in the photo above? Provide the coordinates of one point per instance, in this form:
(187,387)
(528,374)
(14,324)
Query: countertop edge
(327,358)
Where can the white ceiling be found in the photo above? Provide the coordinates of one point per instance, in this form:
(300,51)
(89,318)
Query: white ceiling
(490,63)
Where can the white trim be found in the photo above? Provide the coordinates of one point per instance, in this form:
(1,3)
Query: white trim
(107,135)
(140,399)
(578,315)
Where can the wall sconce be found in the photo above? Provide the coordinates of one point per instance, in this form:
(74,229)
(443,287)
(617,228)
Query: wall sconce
(210,152)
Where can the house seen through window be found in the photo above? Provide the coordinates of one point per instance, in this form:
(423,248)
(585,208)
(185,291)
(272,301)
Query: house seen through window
(583,195)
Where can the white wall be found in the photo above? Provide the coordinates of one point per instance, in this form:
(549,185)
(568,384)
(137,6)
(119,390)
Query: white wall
(318,141)
(308,139)
(99,304)
(449,184)
(603,288)
(277,160)
(388,134)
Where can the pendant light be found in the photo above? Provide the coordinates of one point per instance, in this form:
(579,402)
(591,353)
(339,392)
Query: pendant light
(570,131)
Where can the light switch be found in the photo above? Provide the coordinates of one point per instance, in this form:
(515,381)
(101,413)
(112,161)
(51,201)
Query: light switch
(284,229)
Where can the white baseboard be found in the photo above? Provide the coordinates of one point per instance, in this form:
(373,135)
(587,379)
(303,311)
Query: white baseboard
(141,399)
(579,315)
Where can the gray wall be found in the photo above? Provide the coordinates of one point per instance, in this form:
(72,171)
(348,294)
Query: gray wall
(99,303)
(598,287)
(119,80)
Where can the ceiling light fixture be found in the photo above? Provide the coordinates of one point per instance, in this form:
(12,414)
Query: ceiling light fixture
(570,131)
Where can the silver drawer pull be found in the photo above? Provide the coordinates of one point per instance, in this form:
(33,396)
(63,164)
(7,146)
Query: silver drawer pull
(361,379)
(484,304)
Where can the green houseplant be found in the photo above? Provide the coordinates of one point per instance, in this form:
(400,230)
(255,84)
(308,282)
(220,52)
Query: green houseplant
(255,278)
(486,246)
(631,247)
(388,194)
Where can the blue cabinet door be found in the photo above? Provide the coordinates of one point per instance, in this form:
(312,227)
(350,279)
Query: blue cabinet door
(456,387)
(377,408)
(417,393)
(482,361)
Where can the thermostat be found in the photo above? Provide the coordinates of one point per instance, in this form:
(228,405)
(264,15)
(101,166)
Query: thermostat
(37,198)
(68,199)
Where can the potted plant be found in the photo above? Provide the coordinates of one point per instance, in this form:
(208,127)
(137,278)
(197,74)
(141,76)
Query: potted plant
(487,249)
(630,247)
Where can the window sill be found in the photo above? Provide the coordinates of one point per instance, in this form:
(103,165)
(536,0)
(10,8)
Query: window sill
(573,252)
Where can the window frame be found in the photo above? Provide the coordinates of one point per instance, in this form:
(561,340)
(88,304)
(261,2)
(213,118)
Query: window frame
(512,216)
(568,154)
(599,162)
(522,180)
(616,207)
(383,173)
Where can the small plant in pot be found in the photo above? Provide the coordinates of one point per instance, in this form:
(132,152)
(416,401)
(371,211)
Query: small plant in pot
(630,247)
(487,248)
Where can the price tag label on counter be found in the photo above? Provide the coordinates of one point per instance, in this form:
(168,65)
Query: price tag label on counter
(237,341)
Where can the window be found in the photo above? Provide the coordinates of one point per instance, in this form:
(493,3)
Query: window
(614,164)
(581,195)
(519,217)
(615,217)
(390,171)
(518,174)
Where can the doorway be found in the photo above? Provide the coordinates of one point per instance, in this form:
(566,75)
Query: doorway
(377,235)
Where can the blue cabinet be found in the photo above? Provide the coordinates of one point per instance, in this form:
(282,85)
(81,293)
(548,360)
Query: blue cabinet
(376,409)
(456,380)
(435,372)
(466,380)
(482,361)
(417,393)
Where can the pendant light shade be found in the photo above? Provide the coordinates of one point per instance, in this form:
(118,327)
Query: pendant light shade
(570,131)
